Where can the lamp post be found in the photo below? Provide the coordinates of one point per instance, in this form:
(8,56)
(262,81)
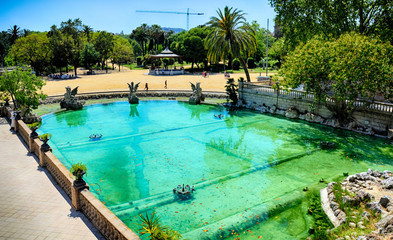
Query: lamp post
(267,47)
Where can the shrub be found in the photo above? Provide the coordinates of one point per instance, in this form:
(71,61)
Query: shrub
(77,170)
(231,89)
(45,137)
(251,62)
(139,61)
(235,64)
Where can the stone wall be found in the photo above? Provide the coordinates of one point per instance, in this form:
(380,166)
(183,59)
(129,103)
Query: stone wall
(100,216)
(124,94)
(371,119)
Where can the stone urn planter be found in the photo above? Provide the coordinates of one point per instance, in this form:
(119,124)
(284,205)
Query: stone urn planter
(33,127)
(78,170)
(45,138)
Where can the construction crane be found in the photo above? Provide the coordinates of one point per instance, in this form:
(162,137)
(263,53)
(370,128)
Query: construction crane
(187,13)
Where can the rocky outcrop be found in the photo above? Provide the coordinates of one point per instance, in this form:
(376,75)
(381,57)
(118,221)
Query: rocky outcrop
(374,189)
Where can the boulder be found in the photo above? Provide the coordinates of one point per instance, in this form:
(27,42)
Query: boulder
(363,196)
(376,173)
(375,206)
(384,224)
(385,201)
(292,112)
(388,183)
(351,125)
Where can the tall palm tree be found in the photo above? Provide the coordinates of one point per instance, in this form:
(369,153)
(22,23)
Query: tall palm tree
(14,32)
(231,35)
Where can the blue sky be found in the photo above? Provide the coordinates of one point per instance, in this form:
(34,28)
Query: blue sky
(121,15)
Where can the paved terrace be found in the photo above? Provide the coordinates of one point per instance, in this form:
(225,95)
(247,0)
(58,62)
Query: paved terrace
(32,205)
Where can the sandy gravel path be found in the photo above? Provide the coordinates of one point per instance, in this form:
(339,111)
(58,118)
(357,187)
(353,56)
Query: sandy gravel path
(115,81)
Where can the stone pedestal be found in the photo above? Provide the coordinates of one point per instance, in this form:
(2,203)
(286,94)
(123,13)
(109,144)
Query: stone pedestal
(41,158)
(75,193)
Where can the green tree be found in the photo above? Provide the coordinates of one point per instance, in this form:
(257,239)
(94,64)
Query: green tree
(89,56)
(88,32)
(341,72)
(61,46)
(23,87)
(194,50)
(141,35)
(104,43)
(14,33)
(300,20)
(33,50)
(73,31)
(122,51)
(231,35)
(5,44)
(136,47)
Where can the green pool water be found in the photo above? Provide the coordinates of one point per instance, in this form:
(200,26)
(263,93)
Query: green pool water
(248,169)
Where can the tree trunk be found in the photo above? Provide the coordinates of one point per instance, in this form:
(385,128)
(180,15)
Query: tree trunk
(119,67)
(75,67)
(192,66)
(106,67)
(230,59)
(243,62)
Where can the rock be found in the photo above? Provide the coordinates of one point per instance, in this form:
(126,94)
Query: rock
(280,112)
(376,173)
(387,172)
(385,201)
(273,109)
(302,116)
(351,125)
(292,112)
(370,131)
(388,183)
(375,206)
(361,238)
(331,185)
(363,196)
(351,201)
(337,212)
(334,206)
(366,215)
(384,223)
(351,178)
(390,133)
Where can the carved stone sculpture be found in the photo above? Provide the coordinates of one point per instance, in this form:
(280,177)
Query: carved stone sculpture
(196,96)
(132,98)
(69,101)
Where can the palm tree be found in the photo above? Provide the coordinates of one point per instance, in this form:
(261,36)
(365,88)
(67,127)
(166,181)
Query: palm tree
(87,30)
(232,35)
(14,32)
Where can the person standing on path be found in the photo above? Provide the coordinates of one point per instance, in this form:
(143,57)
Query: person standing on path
(146,87)
(166,85)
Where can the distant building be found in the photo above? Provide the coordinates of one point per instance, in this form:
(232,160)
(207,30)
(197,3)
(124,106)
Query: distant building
(175,30)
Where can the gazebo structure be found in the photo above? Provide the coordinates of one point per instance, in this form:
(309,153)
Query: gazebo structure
(166,54)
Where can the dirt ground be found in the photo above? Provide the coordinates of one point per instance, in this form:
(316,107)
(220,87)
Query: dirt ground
(117,81)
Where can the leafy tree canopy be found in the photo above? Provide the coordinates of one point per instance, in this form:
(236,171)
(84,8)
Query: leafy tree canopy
(353,67)
(300,20)
(24,88)
(33,50)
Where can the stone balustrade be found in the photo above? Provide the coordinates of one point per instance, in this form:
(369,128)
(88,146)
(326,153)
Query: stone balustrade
(100,216)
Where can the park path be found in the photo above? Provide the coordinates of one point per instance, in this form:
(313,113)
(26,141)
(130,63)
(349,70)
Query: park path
(32,205)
